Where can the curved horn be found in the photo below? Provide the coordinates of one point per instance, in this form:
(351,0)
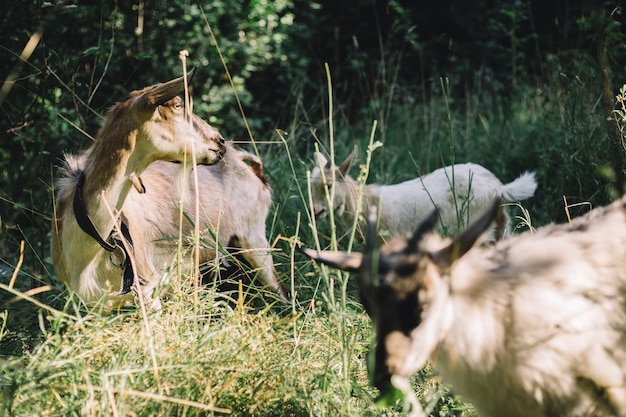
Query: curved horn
(371,237)
(427,225)
(371,251)
(160,93)
(466,239)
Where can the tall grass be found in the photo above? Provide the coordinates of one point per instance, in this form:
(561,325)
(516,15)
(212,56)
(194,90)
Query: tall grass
(240,352)
(237,352)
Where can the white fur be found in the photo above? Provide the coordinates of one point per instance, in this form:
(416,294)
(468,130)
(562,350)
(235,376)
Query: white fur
(461,192)
(537,323)
(534,326)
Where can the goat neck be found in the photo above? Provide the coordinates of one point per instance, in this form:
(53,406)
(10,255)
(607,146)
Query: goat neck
(150,125)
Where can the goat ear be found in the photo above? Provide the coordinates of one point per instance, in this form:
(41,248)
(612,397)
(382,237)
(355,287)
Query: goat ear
(160,93)
(349,262)
(320,160)
(466,239)
(345,165)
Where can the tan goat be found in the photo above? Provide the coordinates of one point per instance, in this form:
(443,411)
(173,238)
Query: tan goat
(534,326)
(131,169)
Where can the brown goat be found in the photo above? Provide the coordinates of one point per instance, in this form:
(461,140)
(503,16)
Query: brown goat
(131,169)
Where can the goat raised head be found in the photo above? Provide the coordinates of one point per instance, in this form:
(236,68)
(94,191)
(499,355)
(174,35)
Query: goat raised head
(533,326)
(122,193)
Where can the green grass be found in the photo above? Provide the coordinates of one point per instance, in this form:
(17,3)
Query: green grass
(238,353)
(243,353)
(186,360)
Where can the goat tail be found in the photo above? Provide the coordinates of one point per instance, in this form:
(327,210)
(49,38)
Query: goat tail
(520,189)
(254,163)
(70,171)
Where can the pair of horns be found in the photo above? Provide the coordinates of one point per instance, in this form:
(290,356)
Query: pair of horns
(361,263)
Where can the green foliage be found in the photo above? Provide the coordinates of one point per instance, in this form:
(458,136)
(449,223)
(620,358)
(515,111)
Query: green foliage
(496,84)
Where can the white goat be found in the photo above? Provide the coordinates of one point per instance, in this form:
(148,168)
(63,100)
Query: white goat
(533,326)
(129,170)
(461,192)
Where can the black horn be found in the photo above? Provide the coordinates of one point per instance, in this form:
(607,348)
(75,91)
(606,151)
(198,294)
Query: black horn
(426,226)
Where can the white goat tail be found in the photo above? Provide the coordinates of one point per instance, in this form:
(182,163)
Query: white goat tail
(522,188)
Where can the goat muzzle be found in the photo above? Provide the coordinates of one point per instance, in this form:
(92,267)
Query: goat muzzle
(213,156)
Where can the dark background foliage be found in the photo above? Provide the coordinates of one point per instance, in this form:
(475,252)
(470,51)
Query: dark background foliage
(384,56)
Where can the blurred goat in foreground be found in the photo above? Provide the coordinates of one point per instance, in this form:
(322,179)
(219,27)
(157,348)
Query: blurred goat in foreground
(533,326)
(462,192)
(116,219)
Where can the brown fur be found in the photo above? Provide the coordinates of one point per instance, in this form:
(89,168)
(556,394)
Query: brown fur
(135,145)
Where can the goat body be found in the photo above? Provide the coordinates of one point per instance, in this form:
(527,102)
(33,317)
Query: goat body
(128,171)
(533,326)
(461,192)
